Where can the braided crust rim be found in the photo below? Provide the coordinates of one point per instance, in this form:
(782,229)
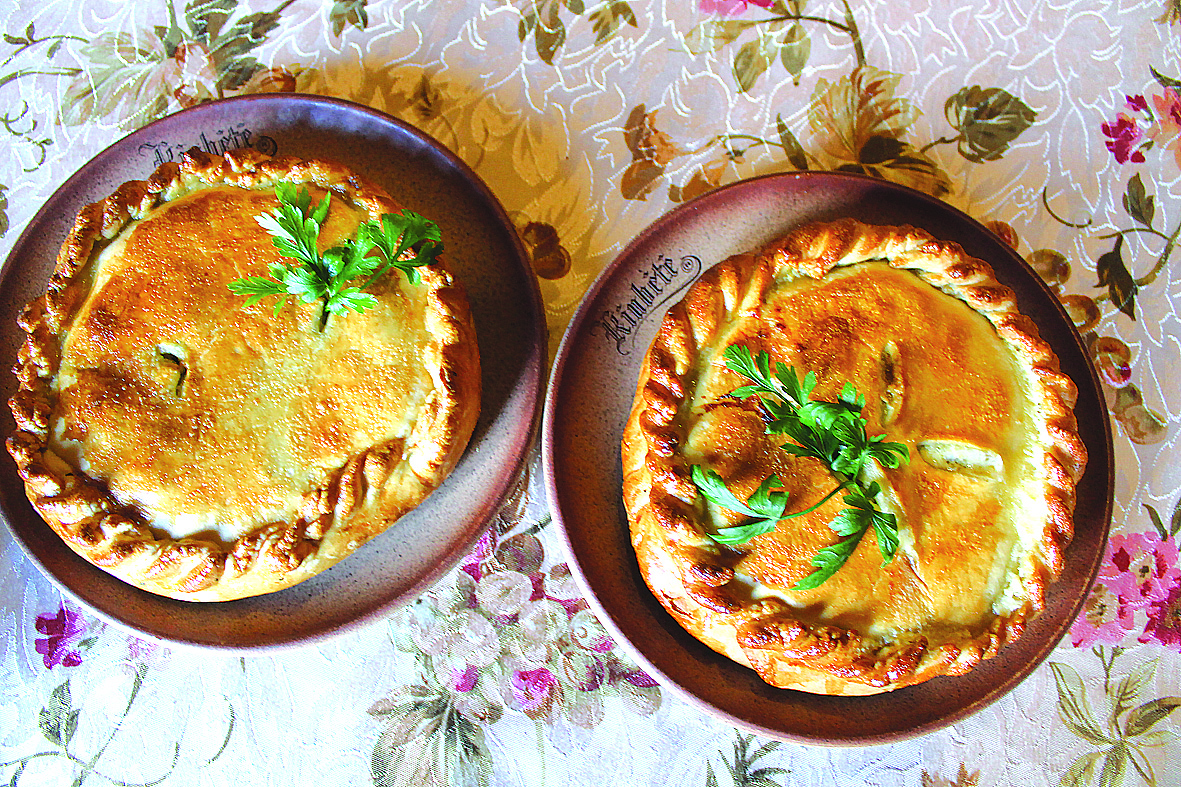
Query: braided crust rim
(691,575)
(368,494)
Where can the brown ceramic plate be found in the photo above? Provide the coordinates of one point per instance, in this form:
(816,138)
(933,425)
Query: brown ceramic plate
(487,256)
(591,391)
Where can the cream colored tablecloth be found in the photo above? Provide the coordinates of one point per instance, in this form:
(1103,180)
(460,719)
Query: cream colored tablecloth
(589,119)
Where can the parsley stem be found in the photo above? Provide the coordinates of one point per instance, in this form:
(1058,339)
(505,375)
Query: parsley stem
(844,485)
(389,263)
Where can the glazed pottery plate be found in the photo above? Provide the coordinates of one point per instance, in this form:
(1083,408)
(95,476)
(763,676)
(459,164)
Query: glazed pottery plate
(485,253)
(590,395)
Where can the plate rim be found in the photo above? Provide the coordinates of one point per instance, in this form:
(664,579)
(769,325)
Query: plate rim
(532,366)
(557,375)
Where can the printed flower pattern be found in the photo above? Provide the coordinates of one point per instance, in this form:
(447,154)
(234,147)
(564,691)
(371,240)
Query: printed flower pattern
(506,634)
(63,634)
(730,7)
(1128,140)
(1121,738)
(1164,619)
(205,54)
(506,642)
(860,123)
(1138,580)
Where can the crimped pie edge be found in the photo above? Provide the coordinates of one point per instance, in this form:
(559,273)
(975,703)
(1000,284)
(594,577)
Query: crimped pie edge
(682,566)
(97,527)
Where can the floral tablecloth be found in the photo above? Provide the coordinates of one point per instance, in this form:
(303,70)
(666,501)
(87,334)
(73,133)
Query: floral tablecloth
(1058,121)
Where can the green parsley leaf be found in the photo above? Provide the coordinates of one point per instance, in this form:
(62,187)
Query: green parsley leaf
(403,240)
(831,432)
(765,506)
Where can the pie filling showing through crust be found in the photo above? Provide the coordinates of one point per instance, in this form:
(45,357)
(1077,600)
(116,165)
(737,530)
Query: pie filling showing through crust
(207,450)
(948,367)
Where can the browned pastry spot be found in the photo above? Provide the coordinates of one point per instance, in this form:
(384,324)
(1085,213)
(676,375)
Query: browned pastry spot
(207,450)
(950,368)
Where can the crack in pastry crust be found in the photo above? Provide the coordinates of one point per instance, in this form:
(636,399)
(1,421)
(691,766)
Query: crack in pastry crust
(205,450)
(948,366)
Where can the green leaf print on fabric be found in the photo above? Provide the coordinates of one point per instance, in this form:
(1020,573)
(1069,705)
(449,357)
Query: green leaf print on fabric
(426,743)
(1130,725)
(1112,357)
(132,78)
(58,720)
(752,61)
(541,20)
(963,779)
(1114,275)
(1128,142)
(348,12)
(740,766)
(1138,203)
(608,18)
(507,638)
(122,80)
(779,37)
(988,121)
(860,124)
(20,125)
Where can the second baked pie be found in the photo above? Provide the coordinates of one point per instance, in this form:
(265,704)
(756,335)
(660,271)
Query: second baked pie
(948,368)
(202,445)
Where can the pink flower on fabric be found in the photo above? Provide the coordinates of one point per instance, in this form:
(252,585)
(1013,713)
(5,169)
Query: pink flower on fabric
(1137,103)
(61,630)
(533,690)
(465,681)
(640,678)
(730,7)
(1168,130)
(1164,620)
(1168,109)
(1104,618)
(475,559)
(1123,138)
(1138,570)
(1148,563)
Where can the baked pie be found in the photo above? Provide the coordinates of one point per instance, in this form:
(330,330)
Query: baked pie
(206,446)
(947,367)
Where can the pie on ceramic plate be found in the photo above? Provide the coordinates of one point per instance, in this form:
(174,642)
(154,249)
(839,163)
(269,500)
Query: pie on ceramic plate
(207,448)
(949,368)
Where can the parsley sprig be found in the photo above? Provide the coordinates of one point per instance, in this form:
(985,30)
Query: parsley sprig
(831,432)
(377,247)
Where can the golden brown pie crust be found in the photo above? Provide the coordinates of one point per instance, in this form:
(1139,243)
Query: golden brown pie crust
(949,367)
(207,450)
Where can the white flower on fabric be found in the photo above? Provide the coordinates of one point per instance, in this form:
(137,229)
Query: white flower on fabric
(543,620)
(504,592)
(475,641)
(588,633)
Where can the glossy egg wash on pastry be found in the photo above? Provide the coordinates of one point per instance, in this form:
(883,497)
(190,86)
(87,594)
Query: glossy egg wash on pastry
(948,368)
(205,448)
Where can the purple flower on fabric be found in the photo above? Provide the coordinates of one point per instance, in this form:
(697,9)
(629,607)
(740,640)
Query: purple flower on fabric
(533,690)
(641,679)
(465,681)
(1164,620)
(62,631)
(1123,137)
(472,563)
(1137,103)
